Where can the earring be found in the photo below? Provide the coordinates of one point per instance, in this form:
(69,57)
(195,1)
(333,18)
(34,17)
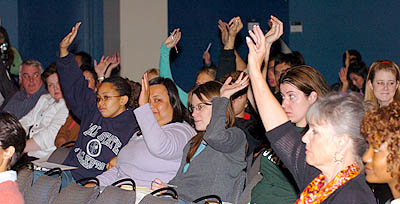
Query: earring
(338,158)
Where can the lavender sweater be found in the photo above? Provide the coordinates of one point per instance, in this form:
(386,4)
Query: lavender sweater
(156,153)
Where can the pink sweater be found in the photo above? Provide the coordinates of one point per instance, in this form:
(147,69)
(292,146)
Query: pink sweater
(9,193)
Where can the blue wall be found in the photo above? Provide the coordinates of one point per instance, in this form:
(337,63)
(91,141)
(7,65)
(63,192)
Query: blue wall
(9,19)
(198,23)
(42,25)
(330,27)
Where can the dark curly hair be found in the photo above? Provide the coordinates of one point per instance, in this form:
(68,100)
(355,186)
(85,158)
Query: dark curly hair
(383,125)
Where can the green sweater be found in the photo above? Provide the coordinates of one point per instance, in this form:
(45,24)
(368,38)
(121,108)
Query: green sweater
(277,184)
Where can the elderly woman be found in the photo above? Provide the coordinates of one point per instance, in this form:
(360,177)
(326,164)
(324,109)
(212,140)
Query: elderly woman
(381,127)
(326,161)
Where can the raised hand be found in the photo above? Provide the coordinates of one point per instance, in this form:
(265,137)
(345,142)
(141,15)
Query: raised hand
(145,92)
(207,58)
(228,89)
(173,39)
(347,61)
(223,27)
(101,67)
(235,25)
(257,49)
(275,32)
(67,41)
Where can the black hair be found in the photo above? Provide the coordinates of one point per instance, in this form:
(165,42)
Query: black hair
(10,53)
(121,86)
(86,58)
(51,69)
(289,59)
(180,113)
(87,68)
(360,69)
(12,134)
(352,53)
(299,57)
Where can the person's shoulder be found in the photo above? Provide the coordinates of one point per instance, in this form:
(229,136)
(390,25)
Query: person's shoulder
(355,191)
(9,192)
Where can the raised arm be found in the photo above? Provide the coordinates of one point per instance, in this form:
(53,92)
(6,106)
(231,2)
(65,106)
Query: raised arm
(164,143)
(270,110)
(343,74)
(78,96)
(217,136)
(165,68)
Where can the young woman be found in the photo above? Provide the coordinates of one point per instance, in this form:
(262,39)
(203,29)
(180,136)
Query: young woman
(383,83)
(12,144)
(45,120)
(381,127)
(326,161)
(157,150)
(214,159)
(107,122)
(357,75)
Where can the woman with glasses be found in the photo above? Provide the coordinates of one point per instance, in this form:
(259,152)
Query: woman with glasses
(383,83)
(213,159)
(156,150)
(107,121)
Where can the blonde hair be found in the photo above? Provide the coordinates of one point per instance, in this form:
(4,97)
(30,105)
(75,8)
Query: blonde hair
(377,66)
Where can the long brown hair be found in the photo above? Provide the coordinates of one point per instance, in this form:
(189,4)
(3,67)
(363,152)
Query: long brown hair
(205,92)
(381,65)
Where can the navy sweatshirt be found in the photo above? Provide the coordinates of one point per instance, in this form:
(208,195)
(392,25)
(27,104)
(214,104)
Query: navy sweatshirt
(100,139)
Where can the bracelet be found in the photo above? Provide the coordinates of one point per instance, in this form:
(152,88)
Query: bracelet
(100,78)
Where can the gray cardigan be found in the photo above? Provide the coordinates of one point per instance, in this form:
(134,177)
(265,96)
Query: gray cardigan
(218,166)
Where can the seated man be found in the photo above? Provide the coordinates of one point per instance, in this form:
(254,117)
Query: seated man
(24,101)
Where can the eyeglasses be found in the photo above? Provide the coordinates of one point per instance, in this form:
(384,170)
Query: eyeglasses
(104,98)
(199,107)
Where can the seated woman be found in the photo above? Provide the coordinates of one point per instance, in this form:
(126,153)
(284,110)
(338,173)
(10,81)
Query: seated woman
(107,121)
(213,159)
(45,120)
(157,149)
(381,127)
(383,83)
(326,161)
(354,78)
(12,144)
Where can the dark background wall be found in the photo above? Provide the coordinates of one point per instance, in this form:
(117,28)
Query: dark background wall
(330,27)
(198,23)
(36,27)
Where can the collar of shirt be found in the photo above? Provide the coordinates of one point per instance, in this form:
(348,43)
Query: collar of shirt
(8,175)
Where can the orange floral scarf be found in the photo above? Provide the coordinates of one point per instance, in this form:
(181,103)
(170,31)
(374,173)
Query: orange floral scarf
(316,192)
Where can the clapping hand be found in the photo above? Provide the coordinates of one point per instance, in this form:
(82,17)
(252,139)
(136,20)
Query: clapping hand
(67,41)
(223,27)
(228,89)
(173,39)
(275,32)
(257,48)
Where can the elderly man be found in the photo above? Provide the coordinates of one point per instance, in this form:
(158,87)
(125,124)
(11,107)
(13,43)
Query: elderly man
(30,79)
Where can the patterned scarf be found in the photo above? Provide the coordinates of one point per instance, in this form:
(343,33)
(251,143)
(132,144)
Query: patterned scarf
(316,192)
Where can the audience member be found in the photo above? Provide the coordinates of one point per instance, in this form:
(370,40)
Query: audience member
(326,161)
(165,129)
(43,122)
(381,127)
(383,83)
(33,88)
(7,86)
(153,73)
(214,159)
(14,59)
(107,121)
(83,59)
(12,144)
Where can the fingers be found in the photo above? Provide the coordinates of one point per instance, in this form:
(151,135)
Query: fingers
(227,81)
(75,31)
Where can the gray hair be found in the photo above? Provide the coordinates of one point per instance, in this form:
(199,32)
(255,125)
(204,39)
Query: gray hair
(31,62)
(343,112)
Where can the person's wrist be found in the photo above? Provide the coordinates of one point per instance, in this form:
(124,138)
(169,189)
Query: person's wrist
(100,78)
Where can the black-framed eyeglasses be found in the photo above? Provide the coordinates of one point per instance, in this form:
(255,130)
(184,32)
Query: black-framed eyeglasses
(104,98)
(199,107)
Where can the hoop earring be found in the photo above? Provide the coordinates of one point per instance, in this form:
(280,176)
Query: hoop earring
(338,158)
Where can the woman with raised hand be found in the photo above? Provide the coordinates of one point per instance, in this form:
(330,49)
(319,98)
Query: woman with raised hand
(381,127)
(383,83)
(107,121)
(326,161)
(214,159)
(165,129)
